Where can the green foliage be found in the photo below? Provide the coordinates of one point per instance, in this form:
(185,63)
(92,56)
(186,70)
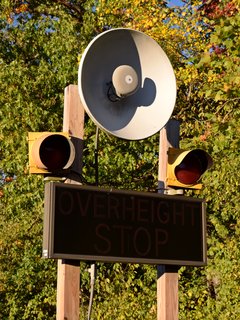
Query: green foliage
(27,283)
(38,59)
(135,160)
(42,42)
(221,64)
(133,295)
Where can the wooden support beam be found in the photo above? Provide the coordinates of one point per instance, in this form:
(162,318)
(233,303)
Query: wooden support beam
(167,282)
(68,280)
(68,284)
(167,293)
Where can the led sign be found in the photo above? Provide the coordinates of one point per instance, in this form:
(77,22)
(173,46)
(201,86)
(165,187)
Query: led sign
(90,223)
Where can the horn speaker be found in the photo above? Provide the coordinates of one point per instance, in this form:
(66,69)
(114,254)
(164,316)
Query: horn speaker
(126,84)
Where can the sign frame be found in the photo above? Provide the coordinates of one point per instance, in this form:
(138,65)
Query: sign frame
(50,219)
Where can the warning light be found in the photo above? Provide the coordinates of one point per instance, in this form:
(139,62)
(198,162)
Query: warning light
(50,152)
(185,168)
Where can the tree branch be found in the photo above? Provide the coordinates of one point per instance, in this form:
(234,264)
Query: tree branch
(76,11)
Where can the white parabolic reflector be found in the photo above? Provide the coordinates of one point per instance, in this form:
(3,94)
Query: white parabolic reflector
(148,109)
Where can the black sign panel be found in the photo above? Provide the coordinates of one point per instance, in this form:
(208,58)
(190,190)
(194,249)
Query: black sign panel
(90,223)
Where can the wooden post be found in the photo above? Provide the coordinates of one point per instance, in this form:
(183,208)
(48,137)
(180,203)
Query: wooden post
(167,282)
(68,279)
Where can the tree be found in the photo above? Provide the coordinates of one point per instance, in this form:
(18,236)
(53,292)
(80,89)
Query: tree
(38,57)
(42,42)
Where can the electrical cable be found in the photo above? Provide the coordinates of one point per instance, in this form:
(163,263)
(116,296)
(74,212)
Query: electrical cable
(111,93)
(96,156)
(92,269)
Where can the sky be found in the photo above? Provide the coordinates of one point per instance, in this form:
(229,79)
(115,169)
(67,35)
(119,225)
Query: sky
(175,2)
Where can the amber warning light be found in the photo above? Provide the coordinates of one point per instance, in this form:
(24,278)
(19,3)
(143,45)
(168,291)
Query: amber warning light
(185,168)
(50,152)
